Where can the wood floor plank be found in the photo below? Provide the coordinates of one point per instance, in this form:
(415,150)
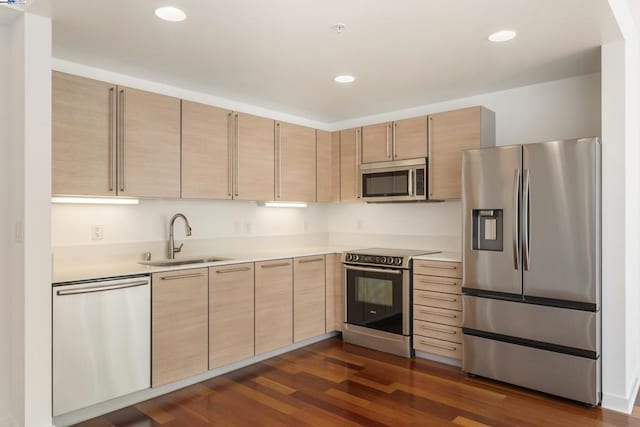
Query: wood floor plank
(331,383)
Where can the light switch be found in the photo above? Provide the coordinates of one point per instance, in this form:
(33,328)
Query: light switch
(490,229)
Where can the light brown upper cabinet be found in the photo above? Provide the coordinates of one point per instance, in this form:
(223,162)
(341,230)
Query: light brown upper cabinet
(254,157)
(328,166)
(308,297)
(179,325)
(399,140)
(450,133)
(84,136)
(148,144)
(231,314)
(295,163)
(206,152)
(274,304)
(350,164)
(377,143)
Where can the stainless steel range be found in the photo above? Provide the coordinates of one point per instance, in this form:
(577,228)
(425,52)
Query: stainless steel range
(378,298)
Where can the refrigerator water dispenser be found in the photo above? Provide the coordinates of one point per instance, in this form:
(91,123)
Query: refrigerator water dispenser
(487,229)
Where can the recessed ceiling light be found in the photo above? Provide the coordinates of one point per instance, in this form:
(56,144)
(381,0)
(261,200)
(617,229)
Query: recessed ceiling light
(502,36)
(344,79)
(170,13)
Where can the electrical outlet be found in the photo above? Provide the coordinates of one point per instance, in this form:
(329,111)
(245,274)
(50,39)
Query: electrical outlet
(97,232)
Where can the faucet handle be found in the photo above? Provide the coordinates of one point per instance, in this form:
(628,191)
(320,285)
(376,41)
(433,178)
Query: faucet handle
(178,249)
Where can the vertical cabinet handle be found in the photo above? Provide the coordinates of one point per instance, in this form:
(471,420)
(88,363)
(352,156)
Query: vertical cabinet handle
(525,221)
(122,141)
(279,161)
(230,154)
(388,146)
(112,137)
(429,156)
(237,143)
(516,217)
(358,148)
(393,140)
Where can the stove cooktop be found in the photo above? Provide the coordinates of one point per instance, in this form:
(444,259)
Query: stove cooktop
(387,257)
(394,252)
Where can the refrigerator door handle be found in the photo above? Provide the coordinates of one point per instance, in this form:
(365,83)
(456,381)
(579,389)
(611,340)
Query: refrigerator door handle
(516,217)
(525,219)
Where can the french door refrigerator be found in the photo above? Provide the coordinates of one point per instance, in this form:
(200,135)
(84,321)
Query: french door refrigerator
(531,266)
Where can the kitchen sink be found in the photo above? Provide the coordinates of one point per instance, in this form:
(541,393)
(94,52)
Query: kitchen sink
(184,261)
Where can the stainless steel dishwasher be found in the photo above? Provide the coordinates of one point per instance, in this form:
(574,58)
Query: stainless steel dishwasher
(101,341)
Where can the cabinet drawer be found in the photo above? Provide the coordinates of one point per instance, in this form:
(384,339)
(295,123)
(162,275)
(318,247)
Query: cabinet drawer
(437,331)
(437,284)
(437,299)
(443,348)
(438,268)
(437,315)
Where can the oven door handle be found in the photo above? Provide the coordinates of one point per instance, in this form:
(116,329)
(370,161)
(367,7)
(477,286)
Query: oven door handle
(373,270)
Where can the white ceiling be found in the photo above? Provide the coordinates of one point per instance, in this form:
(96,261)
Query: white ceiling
(283,54)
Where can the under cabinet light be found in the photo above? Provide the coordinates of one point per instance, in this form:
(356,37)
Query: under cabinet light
(94,200)
(285,205)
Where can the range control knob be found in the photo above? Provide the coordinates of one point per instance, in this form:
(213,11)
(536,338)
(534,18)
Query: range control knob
(398,261)
(390,260)
(348,257)
(355,257)
(382,260)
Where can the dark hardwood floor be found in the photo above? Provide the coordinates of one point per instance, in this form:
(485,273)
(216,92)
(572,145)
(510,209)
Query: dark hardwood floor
(336,384)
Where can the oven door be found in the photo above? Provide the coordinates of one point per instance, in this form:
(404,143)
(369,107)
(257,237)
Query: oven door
(377,298)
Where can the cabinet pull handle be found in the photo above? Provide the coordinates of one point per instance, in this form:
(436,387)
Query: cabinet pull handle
(357,164)
(429,154)
(446,347)
(435,282)
(282,264)
(393,140)
(431,328)
(182,276)
(441,267)
(279,159)
(388,149)
(434,313)
(438,298)
(230,154)
(122,139)
(237,141)
(304,261)
(112,137)
(233,270)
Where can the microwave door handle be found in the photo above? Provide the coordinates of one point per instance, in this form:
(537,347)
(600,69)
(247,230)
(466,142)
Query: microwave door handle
(410,183)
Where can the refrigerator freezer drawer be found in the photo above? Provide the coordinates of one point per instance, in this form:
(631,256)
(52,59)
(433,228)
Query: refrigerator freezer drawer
(573,377)
(560,326)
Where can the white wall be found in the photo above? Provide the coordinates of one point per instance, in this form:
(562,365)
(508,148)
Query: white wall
(5,230)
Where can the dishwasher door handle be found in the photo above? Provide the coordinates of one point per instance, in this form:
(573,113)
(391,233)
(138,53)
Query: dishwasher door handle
(102,288)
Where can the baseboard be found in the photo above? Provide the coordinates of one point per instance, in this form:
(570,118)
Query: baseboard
(621,403)
(8,422)
(439,359)
(140,396)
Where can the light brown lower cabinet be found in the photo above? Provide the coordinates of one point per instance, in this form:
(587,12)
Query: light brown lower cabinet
(274,304)
(179,325)
(308,297)
(334,293)
(231,314)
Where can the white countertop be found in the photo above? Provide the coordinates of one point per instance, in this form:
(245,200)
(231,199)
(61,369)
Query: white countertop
(442,256)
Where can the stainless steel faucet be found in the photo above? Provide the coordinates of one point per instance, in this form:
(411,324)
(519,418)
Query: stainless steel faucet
(172,247)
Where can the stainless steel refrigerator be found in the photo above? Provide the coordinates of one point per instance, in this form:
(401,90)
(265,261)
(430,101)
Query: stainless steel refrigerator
(531,274)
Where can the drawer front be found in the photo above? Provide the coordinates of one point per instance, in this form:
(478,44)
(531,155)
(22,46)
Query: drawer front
(448,285)
(435,330)
(437,315)
(443,348)
(438,268)
(437,299)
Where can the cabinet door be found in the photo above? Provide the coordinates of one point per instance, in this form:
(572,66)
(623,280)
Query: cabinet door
(328,166)
(179,325)
(206,154)
(349,165)
(296,163)
(274,304)
(410,138)
(254,158)
(451,133)
(308,297)
(149,144)
(377,143)
(334,293)
(231,314)
(83,136)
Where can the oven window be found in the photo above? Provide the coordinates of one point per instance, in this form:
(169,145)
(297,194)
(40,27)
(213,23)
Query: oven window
(382,184)
(374,291)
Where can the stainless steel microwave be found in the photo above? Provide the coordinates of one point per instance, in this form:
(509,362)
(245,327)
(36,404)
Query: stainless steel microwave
(394,181)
